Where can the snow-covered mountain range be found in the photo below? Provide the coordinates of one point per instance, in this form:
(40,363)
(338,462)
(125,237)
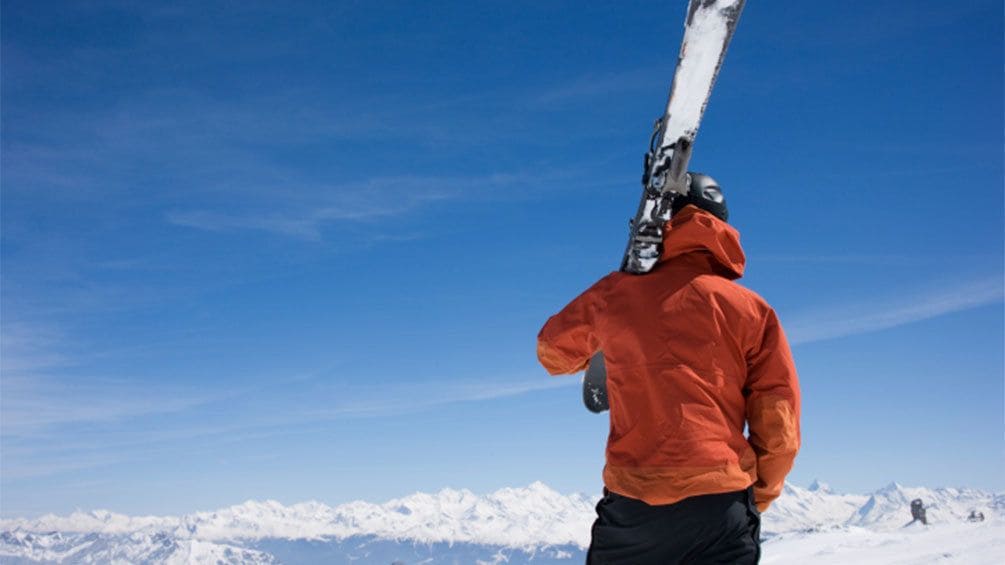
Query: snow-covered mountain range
(514,525)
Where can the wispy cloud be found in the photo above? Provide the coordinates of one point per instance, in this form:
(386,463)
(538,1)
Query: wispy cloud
(24,465)
(80,429)
(305,226)
(42,391)
(880,313)
(58,421)
(407,398)
(370,200)
(37,403)
(593,85)
(29,347)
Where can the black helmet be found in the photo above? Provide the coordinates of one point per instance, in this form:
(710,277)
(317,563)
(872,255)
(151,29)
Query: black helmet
(704,193)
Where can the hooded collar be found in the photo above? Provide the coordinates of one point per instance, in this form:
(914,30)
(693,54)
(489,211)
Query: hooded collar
(695,233)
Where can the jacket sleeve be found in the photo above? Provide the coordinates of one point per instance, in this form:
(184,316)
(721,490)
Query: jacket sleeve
(773,405)
(569,338)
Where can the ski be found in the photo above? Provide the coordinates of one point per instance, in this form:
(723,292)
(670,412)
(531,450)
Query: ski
(707,32)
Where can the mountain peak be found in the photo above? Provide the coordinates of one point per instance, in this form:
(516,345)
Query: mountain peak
(817,486)
(893,486)
(538,486)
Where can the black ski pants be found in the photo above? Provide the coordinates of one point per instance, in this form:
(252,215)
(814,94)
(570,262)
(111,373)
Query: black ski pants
(711,528)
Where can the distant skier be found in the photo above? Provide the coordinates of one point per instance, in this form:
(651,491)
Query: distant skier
(691,358)
(975,516)
(918,512)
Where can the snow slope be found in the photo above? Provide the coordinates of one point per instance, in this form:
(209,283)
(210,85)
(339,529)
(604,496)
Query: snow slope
(960,543)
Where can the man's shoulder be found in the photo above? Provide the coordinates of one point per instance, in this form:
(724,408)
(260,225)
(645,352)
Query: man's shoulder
(610,279)
(601,287)
(723,288)
(705,284)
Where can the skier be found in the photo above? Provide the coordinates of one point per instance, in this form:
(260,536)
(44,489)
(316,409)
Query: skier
(918,512)
(691,358)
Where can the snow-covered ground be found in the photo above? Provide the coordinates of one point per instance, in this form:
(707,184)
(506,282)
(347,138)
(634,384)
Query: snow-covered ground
(945,543)
(534,524)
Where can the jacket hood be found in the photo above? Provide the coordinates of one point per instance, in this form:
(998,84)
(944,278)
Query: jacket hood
(695,231)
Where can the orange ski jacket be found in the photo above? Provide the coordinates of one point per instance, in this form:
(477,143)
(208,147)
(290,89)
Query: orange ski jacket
(692,357)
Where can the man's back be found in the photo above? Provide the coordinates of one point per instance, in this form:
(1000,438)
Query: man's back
(691,358)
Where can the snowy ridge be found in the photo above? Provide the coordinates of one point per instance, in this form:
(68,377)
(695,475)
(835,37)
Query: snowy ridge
(813,508)
(133,548)
(531,524)
(512,517)
(942,505)
(884,510)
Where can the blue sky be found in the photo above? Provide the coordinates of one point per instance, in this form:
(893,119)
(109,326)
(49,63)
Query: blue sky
(303,251)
